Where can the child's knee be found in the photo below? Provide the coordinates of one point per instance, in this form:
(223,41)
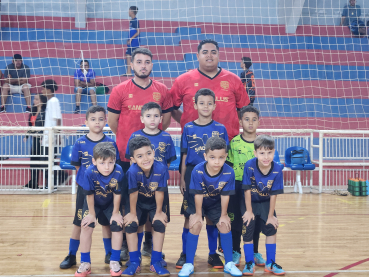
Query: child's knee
(269,230)
(196,228)
(222,228)
(114,227)
(158,226)
(131,228)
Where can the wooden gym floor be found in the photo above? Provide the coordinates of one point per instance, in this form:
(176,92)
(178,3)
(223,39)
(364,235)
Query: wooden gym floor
(319,235)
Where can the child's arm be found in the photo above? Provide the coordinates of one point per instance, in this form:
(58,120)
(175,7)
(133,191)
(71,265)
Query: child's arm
(197,217)
(271,218)
(91,217)
(116,216)
(182,186)
(224,218)
(160,215)
(132,215)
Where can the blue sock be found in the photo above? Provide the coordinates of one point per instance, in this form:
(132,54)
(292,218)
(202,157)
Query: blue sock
(139,236)
(270,249)
(184,240)
(249,252)
(107,245)
(134,257)
(212,238)
(226,240)
(191,246)
(155,257)
(85,257)
(73,246)
(115,255)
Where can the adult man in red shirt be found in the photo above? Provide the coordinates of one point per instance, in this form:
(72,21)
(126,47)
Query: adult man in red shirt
(228,88)
(124,108)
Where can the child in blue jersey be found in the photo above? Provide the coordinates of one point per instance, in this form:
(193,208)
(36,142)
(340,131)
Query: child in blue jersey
(262,181)
(82,158)
(133,41)
(147,182)
(212,182)
(165,152)
(194,137)
(100,185)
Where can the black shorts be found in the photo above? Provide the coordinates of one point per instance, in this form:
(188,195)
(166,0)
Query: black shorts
(124,183)
(142,213)
(213,212)
(187,197)
(130,50)
(103,213)
(234,207)
(80,200)
(257,223)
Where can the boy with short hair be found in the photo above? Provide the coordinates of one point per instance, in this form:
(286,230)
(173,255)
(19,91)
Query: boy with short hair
(100,186)
(82,154)
(162,143)
(212,182)
(262,182)
(194,137)
(248,79)
(242,150)
(133,41)
(147,182)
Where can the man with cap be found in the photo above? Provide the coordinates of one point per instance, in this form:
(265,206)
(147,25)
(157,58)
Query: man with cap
(16,77)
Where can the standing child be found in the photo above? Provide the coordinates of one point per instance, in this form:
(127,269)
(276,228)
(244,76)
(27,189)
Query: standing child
(100,186)
(82,154)
(262,182)
(242,150)
(162,143)
(133,41)
(212,182)
(247,78)
(194,137)
(147,182)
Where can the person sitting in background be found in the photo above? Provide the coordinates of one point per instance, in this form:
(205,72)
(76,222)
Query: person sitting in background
(351,18)
(247,78)
(16,81)
(84,81)
(36,119)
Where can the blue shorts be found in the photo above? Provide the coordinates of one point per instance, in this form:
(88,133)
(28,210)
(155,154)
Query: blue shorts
(84,90)
(130,50)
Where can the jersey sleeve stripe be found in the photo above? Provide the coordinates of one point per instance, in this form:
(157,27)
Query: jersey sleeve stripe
(113,111)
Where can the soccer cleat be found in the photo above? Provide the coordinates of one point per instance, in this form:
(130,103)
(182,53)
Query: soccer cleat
(28,110)
(236,258)
(132,269)
(107,258)
(181,261)
(147,249)
(274,268)
(124,254)
(115,268)
(249,269)
(77,110)
(159,269)
(2,109)
(232,269)
(186,270)
(215,261)
(258,259)
(83,270)
(68,262)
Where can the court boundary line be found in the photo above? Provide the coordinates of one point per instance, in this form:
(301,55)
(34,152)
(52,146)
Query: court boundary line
(203,273)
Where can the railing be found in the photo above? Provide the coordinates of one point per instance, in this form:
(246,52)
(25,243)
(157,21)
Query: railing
(337,158)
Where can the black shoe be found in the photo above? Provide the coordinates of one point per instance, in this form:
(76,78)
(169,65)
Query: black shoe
(68,262)
(215,261)
(2,109)
(77,110)
(181,261)
(28,110)
(107,259)
(147,249)
(124,254)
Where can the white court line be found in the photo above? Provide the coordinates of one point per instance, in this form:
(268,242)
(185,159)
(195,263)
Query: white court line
(202,273)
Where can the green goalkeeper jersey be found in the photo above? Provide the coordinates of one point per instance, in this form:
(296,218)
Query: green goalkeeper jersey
(239,153)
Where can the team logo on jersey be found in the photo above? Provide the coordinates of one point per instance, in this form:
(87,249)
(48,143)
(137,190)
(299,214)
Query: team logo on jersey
(221,185)
(113,183)
(85,154)
(156,96)
(196,84)
(215,134)
(130,95)
(270,183)
(224,85)
(153,186)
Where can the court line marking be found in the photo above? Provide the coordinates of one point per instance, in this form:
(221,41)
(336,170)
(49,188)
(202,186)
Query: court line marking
(46,203)
(347,267)
(204,273)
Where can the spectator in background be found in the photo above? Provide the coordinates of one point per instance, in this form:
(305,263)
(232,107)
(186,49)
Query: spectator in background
(351,18)
(133,41)
(84,82)
(247,78)
(36,119)
(16,81)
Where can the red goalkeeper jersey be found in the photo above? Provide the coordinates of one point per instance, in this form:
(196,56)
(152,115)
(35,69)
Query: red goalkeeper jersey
(229,92)
(127,100)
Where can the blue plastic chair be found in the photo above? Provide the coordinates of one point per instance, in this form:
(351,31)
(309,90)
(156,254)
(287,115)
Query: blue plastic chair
(277,160)
(65,164)
(300,162)
(174,166)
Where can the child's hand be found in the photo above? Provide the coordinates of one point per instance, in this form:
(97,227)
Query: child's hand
(224,219)
(247,217)
(195,218)
(118,218)
(129,218)
(129,42)
(87,220)
(161,216)
(24,140)
(182,186)
(272,220)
